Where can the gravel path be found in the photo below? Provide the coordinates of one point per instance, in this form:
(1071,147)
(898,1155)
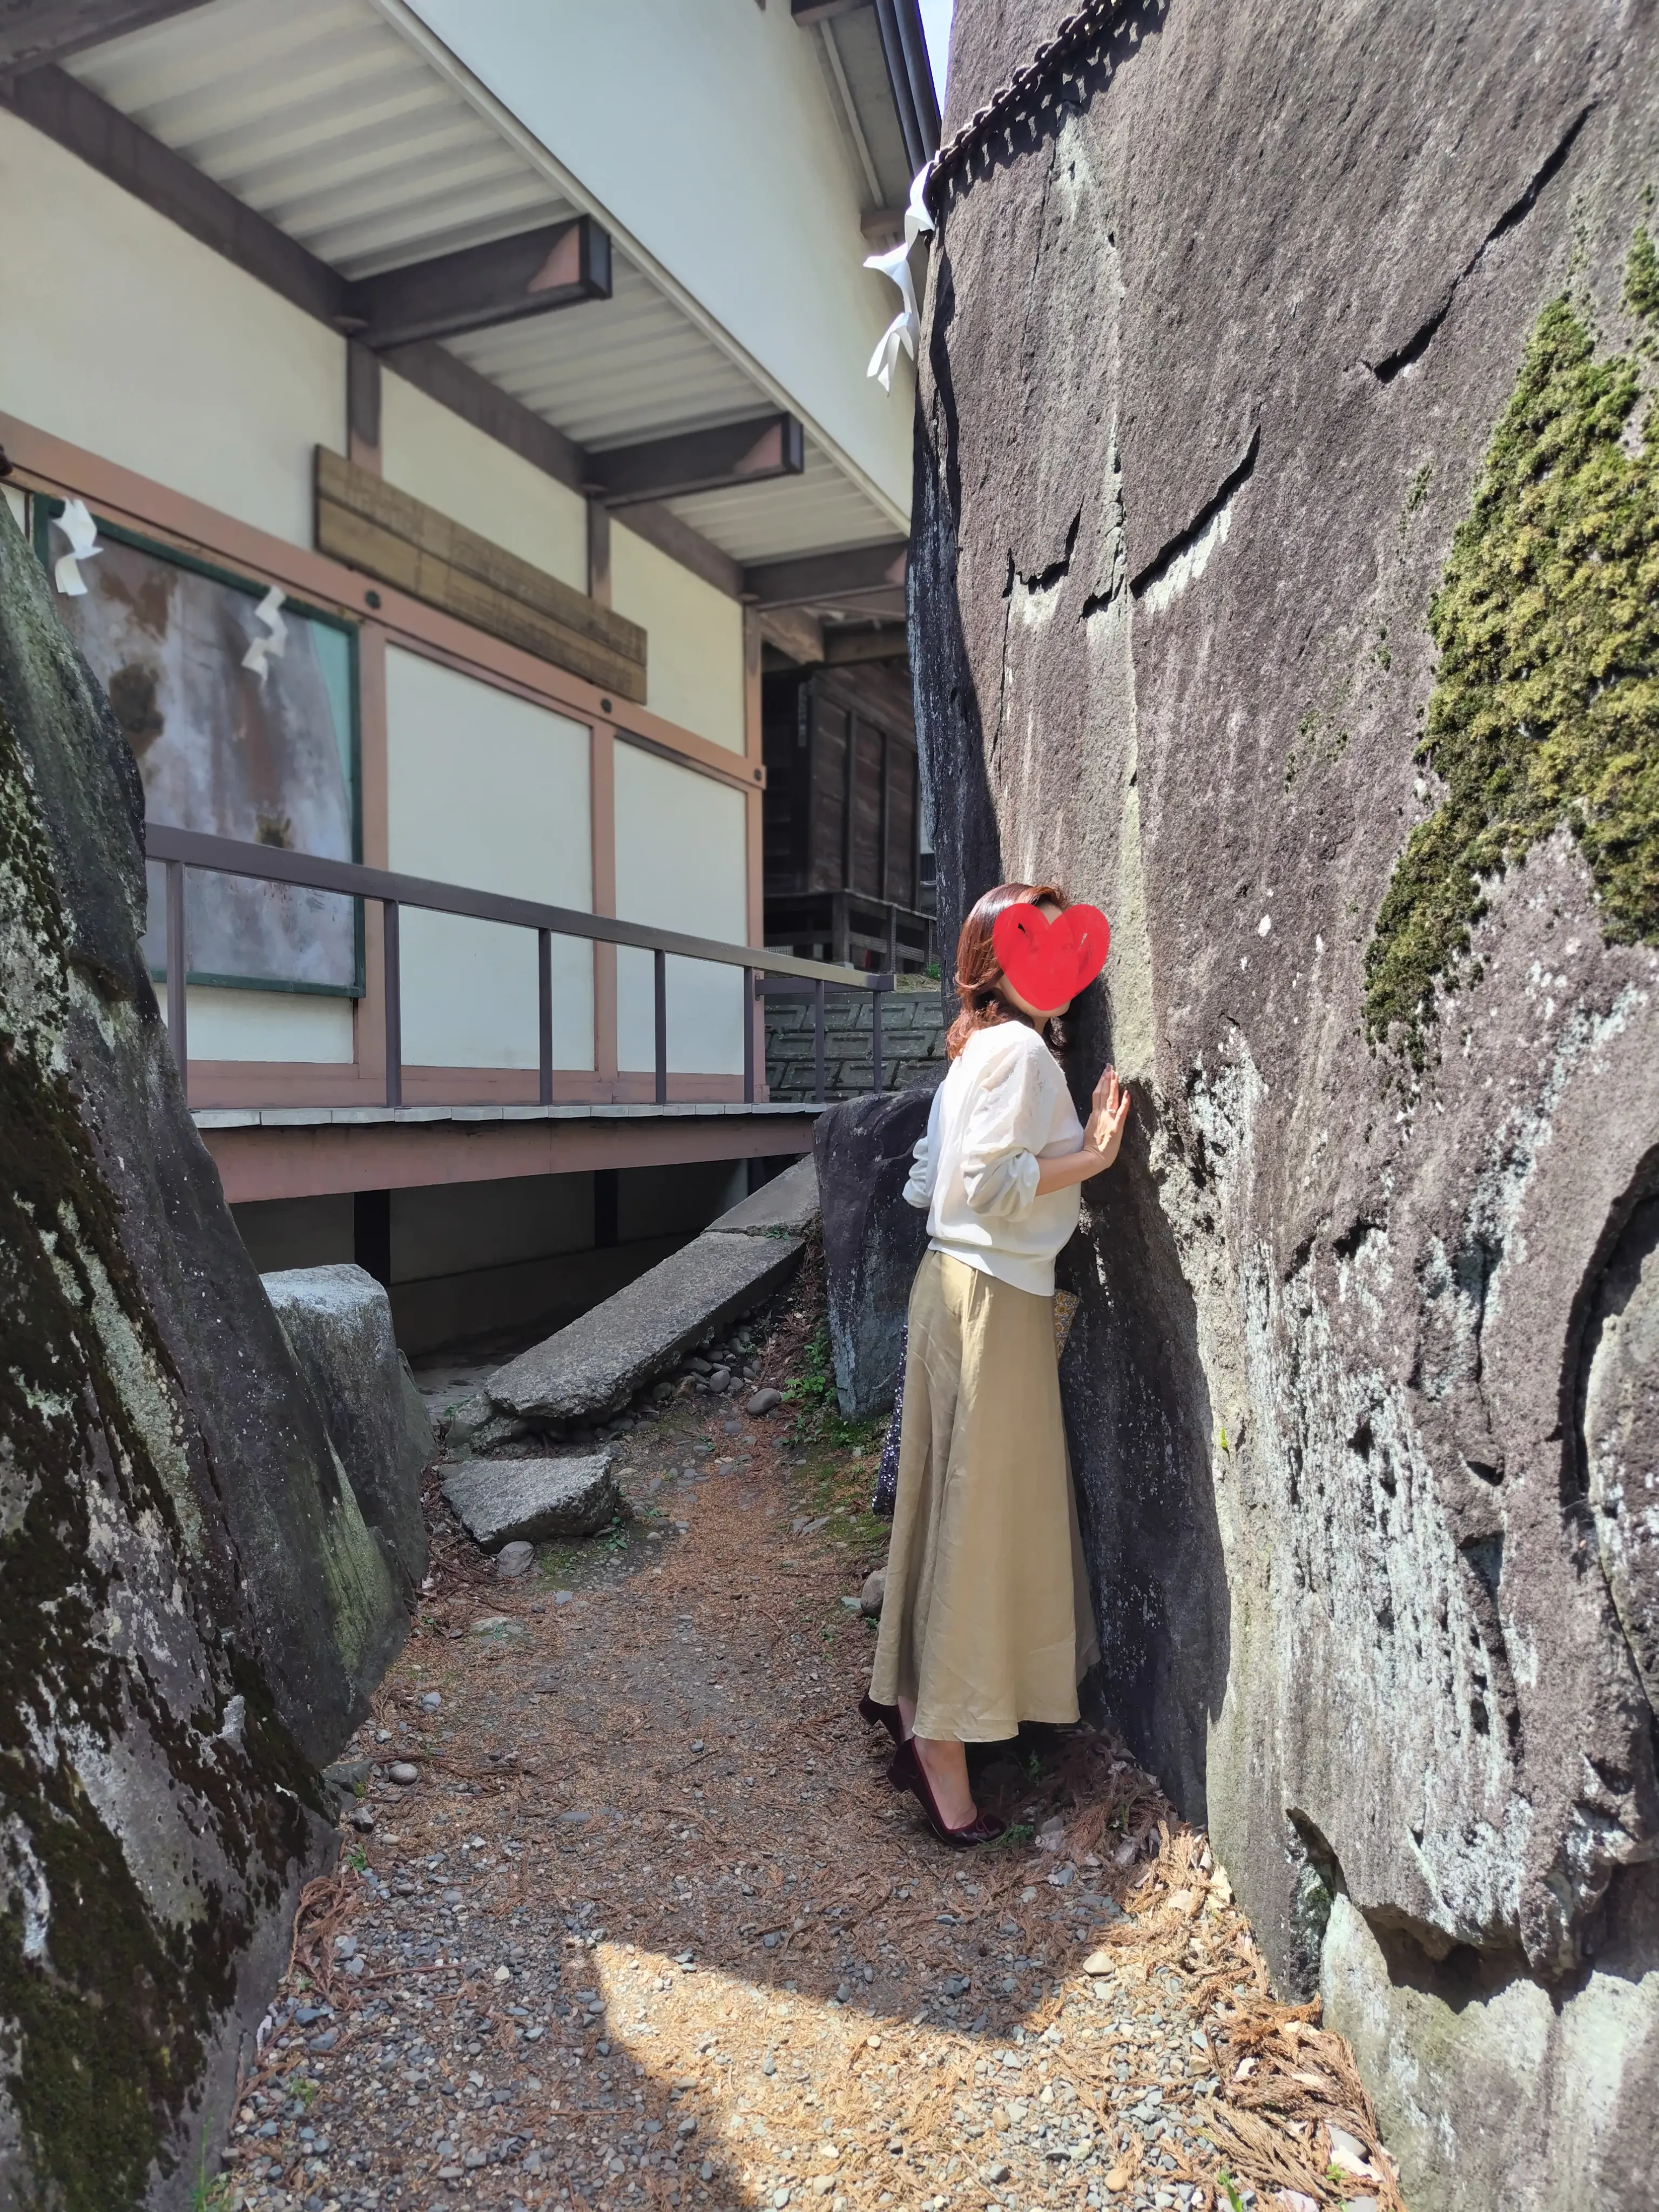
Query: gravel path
(649,1929)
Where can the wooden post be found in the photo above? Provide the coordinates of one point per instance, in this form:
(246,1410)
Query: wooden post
(749,1013)
(178,962)
(545,998)
(599,552)
(660,980)
(363,407)
(394,1005)
(875,1042)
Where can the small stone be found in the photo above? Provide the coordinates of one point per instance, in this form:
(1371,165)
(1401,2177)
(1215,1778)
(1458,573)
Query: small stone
(853,1604)
(515,1558)
(402,1773)
(874,1590)
(431,1700)
(1098,1962)
(994,2175)
(764,1402)
(688,2126)
(362,1820)
(720,1378)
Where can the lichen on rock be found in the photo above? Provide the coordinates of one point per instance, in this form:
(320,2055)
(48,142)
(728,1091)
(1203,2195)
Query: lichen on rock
(1546,703)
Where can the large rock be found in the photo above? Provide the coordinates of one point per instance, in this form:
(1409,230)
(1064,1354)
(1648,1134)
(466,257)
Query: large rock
(872,1241)
(592,1368)
(338,1322)
(193,1610)
(1328,326)
(524,1501)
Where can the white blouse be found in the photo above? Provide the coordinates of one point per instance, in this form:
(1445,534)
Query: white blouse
(1002,1107)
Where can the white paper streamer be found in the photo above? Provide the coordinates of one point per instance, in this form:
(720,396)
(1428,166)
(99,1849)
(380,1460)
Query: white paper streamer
(81,532)
(263,649)
(905,329)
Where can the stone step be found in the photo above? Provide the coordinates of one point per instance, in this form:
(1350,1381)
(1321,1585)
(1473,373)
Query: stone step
(587,1372)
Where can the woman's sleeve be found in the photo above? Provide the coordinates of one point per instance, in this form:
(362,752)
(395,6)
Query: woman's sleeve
(1007,1126)
(918,1190)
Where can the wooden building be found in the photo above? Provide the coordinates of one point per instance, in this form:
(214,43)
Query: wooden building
(842,816)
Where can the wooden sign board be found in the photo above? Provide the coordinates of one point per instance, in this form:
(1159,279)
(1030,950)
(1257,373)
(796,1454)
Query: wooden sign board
(373,526)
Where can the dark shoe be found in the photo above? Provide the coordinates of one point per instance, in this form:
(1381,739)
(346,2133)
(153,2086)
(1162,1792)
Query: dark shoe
(908,1772)
(886,1715)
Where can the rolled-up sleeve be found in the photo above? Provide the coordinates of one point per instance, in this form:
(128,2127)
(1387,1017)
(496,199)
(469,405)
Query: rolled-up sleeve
(1007,1124)
(924,1163)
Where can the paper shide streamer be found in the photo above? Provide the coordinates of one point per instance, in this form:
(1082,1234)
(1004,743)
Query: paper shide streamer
(905,329)
(78,526)
(273,645)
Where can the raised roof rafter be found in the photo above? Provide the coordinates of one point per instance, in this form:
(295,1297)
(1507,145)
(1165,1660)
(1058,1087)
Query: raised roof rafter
(748,452)
(557,265)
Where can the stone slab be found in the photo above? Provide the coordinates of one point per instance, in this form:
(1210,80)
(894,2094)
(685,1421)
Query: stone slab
(789,1203)
(525,1501)
(872,1241)
(591,1369)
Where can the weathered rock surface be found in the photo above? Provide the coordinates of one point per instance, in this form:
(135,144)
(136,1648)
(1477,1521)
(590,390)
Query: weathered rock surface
(338,1322)
(872,1241)
(524,1501)
(592,1368)
(193,1609)
(1278,336)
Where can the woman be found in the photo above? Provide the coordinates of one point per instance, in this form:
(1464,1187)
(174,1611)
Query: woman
(987,1621)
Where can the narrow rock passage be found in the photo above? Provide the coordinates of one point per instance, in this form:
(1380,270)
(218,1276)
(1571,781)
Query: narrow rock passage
(648,1927)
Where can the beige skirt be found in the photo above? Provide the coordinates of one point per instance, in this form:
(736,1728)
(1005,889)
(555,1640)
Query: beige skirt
(987,1620)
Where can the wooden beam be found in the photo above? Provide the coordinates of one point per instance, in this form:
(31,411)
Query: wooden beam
(814,576)
(793,631)
(385,533)
(673,535)
(34,32)
(752,451)
(532,274)
(54,104)
(844,648)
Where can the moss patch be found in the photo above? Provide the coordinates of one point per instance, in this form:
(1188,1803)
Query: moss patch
(1546,703)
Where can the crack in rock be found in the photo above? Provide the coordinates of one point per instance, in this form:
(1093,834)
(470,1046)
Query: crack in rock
(1183,560)
(1418,344)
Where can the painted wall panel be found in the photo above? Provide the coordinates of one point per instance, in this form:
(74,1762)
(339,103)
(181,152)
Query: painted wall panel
(485,789)
(694,638)
(431,453)
(680,865)
(297,1026)
(794,295)
(121,333)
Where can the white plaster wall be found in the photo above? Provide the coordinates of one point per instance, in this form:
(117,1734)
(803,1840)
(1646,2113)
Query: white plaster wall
(680,865)
(694,638)
(433,455)
(485,789)
(732,174)
(297,1026)
(122,334)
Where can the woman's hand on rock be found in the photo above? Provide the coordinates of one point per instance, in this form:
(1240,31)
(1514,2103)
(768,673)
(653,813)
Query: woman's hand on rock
(1109,1117)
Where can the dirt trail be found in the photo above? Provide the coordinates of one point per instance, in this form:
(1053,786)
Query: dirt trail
(651,1928)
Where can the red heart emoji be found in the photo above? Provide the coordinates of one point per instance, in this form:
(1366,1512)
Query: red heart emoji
(1049,963)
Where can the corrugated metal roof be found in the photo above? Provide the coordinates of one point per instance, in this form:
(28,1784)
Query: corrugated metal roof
(612,371)
(817,512)
(319,114)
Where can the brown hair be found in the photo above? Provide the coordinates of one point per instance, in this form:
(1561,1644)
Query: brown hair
(978,969)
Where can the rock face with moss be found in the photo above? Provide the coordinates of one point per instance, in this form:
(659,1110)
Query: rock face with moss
(1284,581)
(191,1609)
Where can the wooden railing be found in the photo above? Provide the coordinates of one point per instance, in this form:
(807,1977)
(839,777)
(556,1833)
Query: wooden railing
(179,849)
